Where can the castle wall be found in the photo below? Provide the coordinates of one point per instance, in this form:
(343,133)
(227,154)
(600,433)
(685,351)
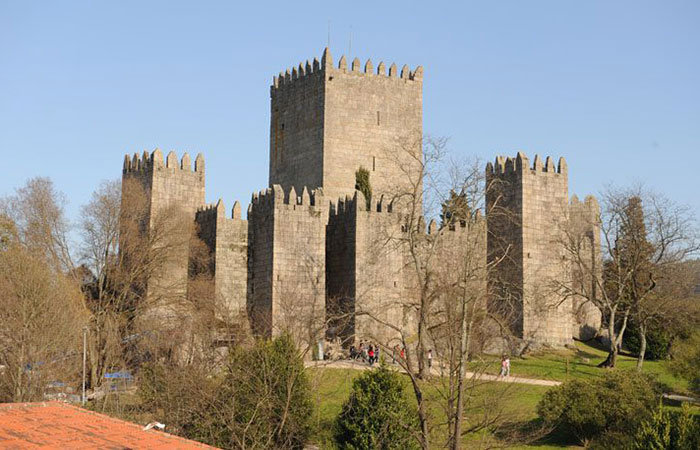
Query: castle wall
(365,267)
(174,191)
(287,236)
(585,223)
(534,201)
(227,239)
(327,122)
(371,120)
(296,128)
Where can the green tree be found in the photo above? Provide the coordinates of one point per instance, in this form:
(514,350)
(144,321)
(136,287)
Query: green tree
(377,415)
(363,185)
(686,360)
(658,341)
(617,404)
(262,399)
(668,430)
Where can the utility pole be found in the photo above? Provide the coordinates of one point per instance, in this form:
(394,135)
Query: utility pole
(83,400)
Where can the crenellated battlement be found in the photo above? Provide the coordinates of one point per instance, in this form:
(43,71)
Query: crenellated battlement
(275,196)
(155,160)
(309,69)
(357,202)
(217,211)
(507,165)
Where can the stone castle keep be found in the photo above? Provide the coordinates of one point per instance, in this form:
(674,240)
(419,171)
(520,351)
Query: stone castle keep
(308,249)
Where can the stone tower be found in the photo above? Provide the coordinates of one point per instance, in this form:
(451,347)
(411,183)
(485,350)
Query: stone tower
(327,122)
(524,205)
(227,240)
(173,191)
(287,263)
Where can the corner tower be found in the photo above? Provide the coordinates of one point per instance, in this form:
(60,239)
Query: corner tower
(163,195)
(327,122)
(524,206)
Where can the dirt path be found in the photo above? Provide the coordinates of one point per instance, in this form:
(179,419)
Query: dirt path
(357,365)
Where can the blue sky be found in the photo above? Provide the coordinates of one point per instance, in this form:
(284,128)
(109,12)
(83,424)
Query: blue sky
(612,86)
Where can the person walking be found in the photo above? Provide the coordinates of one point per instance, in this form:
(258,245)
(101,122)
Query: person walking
(505,366)
(430,359)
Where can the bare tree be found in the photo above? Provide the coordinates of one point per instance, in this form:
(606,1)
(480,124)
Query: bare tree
(643,236)
(37,210)
(138,314)
(41,317)
(444,269)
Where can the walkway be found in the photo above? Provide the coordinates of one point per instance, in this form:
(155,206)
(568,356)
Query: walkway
(357,365)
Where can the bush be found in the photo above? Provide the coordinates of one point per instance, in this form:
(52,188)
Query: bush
(363,185)
(658,342)
(270,395)
(262,400)
(672,430)
(686,360)
(377,415)
(588,409)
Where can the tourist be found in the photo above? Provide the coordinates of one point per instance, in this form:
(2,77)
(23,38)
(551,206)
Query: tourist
(394,351)
(505,366)
(430,360)
(371,355)
(376,353)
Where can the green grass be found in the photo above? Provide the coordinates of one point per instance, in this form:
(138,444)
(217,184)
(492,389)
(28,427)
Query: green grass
(514,403)
(581,363)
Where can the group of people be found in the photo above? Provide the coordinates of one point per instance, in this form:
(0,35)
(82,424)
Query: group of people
(366,352)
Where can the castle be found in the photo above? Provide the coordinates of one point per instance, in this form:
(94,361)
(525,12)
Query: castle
(310,250)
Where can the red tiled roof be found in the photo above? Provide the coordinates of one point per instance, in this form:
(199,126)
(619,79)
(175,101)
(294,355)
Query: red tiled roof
(59,425)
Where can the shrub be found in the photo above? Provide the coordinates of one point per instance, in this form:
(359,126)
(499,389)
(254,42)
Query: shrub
(377,415)
(686,360)
(270,395)
(658,342)
(588,409)
(666,429)
(261,400)
(363,185)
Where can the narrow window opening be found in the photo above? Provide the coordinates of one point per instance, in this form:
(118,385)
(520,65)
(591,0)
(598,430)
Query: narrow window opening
(374,163)
(378,118)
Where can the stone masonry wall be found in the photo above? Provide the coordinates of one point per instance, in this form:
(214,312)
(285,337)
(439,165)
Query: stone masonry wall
(365,263)
(227,239)
(533,200)
(174,192)
(287,235)
(584,220)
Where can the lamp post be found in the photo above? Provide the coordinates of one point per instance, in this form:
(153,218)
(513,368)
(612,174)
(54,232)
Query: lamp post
(83,399)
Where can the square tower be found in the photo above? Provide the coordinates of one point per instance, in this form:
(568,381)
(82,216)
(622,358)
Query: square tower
(327,122)
(524,207)
(164,196)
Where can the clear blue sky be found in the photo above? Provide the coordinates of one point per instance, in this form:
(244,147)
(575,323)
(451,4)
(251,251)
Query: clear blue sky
(613,86)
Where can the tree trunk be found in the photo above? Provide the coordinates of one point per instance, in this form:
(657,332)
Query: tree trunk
(612,347)
(615,340)
(421,347)
(422,416)
(642,346)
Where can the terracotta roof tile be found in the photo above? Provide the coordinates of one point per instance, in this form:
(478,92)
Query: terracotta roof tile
(57,425)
